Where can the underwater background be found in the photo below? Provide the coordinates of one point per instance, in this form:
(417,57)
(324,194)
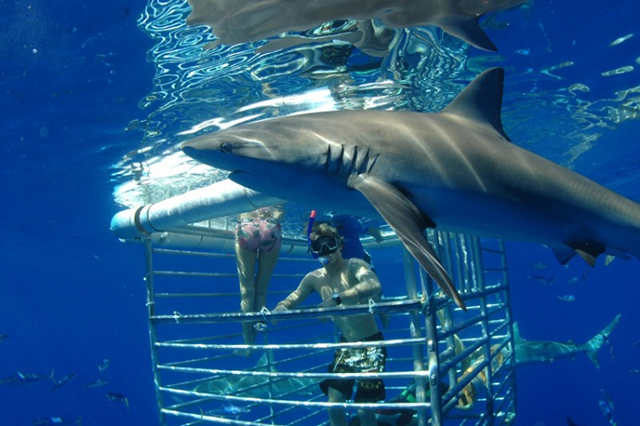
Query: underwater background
(95,95)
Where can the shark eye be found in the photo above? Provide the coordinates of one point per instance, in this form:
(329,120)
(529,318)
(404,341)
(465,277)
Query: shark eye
(225,147)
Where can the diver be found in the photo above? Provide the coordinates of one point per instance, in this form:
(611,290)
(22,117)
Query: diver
(258,241)
(344,282)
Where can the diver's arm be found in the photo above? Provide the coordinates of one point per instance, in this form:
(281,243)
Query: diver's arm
(368,283)
(298,296)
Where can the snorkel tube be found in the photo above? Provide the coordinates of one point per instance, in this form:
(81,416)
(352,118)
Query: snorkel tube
(312,219)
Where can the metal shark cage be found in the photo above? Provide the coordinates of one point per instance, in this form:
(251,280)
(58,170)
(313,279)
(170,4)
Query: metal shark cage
(453,367)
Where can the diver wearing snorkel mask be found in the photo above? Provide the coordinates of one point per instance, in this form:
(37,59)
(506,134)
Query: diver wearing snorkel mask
(344,282)
(322,247)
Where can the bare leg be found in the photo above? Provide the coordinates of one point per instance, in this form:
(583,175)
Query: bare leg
(246,261)
(337,416)
(266,264)
(367,418)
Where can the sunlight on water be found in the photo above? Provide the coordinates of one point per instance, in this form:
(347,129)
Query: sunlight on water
(198,89)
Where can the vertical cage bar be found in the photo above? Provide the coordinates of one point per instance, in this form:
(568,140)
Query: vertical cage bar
(153,338)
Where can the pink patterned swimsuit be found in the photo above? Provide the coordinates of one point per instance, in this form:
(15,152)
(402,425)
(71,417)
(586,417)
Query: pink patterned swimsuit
(259,234)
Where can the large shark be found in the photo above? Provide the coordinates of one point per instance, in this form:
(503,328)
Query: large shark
(238,21)
(455,170)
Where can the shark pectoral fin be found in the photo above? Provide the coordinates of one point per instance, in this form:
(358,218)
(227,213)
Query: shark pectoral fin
(409,223)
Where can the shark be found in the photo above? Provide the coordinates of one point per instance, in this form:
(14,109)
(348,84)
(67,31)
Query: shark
(234,21)
(526,352)
(533,351)
(455,170)
(258,386)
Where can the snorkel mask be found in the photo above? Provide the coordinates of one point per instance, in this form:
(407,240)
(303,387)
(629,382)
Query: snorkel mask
(322,247)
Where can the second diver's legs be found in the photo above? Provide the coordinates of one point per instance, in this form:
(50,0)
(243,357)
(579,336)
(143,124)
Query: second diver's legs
(266,263)
(246,262)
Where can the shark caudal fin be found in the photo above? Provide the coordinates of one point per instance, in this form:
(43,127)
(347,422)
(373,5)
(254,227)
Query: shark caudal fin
(516,333)
(593,345)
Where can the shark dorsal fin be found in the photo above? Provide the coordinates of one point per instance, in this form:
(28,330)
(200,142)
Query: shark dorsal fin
(265,363)
(516,333)
(482,100)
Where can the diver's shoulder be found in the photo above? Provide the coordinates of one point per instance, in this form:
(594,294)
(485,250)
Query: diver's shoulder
(355,263)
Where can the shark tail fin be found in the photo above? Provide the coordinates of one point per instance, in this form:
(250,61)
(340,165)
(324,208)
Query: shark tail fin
(481,100)
(599,339)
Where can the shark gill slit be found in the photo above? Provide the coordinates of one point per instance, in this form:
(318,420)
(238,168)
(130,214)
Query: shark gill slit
(363,164)
(373,162)
(328,160)
(340,159)
(354,159)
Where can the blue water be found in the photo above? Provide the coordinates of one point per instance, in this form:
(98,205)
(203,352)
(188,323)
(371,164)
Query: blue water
(76,74)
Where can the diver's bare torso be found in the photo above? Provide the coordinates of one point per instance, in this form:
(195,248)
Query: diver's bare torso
(333,279)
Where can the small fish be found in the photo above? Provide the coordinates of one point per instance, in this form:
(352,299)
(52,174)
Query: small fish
(637,343)
(544,280)
(56,421)
(230,410)
(62,382)
(634,371)
(97,383)
(620,40)
(538,266)
(118,398)
(567,298)
(22,379)
(572,280)
(4,337)
(103,365)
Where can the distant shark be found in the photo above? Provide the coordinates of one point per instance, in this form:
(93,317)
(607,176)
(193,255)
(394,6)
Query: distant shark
(531,351)
(527,352)
(258,386)
(234,21)
(455,170)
